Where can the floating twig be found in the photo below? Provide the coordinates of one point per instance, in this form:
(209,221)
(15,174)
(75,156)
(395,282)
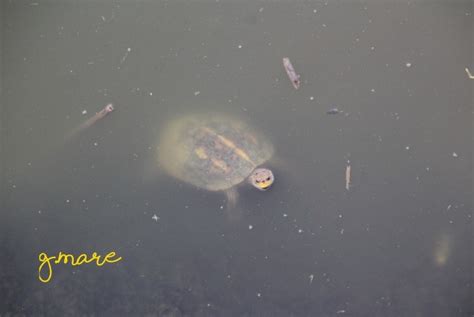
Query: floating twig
(99,115)
(290,71)
(348,176)
(469,74)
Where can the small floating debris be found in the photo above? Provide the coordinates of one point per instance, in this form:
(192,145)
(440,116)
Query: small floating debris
(455,154)
(333,111)
(155,217)
(469,73)
(311,278)
(196,93)
(129,49)
(348,176)
(290,71)
(99,115)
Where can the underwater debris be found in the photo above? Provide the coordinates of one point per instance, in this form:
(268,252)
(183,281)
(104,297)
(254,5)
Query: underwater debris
(333,111)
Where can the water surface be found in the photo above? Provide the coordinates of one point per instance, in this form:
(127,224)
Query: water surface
(397,243)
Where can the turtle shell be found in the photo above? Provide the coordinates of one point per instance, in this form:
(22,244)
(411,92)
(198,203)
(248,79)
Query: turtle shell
(213,152)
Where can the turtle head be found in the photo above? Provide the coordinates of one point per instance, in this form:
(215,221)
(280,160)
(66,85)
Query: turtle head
(262,178)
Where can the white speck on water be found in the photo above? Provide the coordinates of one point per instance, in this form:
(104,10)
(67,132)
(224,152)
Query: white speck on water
(372,90)
(449,207)
(96,144)
(126,55)
(155,217)
(311,277)
(455,154)
(250,227)
(324,25)
(300,230)
(372,48)
(186,206)
(197,92)
(260,10)
(221,207)
(240,46)
(315,11)
(407,147)
(68,201)
(311,98)
(342,231)
(259,295)
(408,65)
(285,215)
(39,211)
(342,311)
(151,94)
(340,216)
(84,111)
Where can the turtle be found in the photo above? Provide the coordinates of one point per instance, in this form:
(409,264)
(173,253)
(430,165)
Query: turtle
(215,152)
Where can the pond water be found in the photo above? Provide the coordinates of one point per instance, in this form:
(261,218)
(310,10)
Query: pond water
(396,242)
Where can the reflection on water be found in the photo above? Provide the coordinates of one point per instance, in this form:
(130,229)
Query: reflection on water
(388,246)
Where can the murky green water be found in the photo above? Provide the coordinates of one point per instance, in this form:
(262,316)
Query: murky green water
(397,243)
